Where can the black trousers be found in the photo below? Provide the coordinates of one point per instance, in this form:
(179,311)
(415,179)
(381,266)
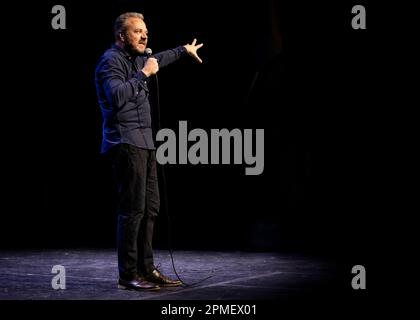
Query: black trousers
(138,205)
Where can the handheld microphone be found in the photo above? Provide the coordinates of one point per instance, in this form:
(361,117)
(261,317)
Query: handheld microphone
(148,52)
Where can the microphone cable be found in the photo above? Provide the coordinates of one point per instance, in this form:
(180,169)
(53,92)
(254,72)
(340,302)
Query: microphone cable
(164,185)
(165,194)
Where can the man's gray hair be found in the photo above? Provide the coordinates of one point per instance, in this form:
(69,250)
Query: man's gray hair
(120,25)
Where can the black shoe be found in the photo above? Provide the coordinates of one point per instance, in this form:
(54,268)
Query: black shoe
(137,284)
(161,280)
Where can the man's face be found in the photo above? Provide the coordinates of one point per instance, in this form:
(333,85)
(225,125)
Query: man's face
(135,39)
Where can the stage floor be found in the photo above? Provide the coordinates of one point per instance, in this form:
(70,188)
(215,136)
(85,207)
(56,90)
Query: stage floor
(209,275)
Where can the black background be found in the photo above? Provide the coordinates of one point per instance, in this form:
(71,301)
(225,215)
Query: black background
(313,95)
